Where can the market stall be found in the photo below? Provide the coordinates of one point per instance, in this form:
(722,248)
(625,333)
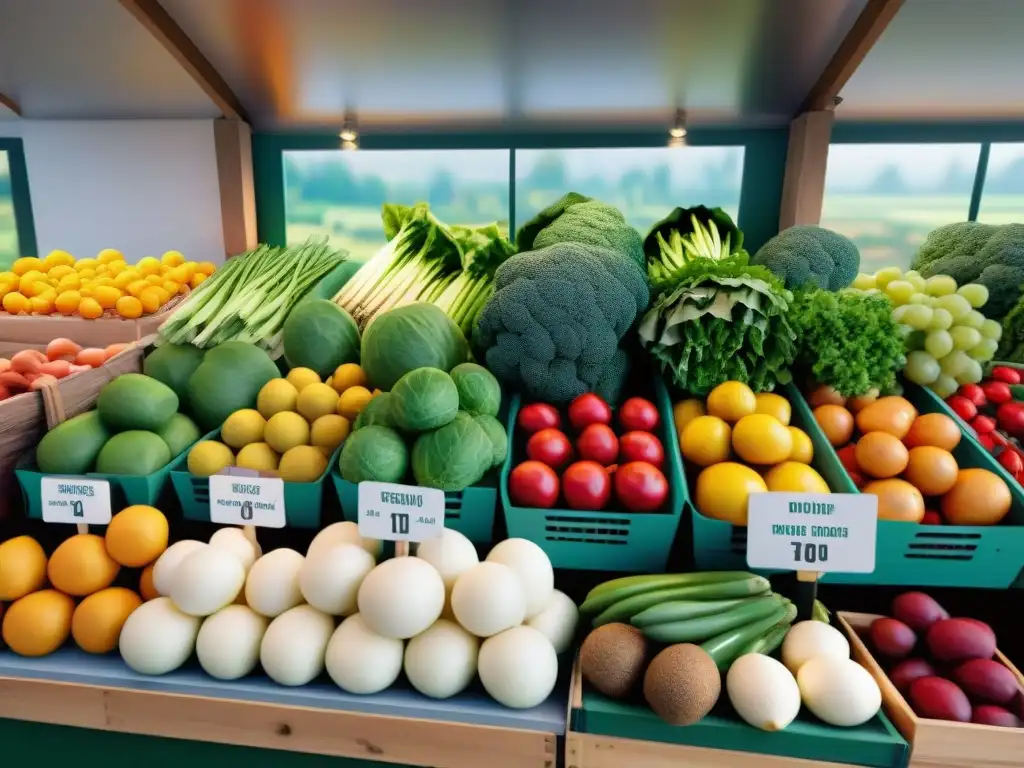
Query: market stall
(466,435)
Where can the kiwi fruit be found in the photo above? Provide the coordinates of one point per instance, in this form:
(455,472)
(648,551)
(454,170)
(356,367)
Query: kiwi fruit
(682,684)
(612,658)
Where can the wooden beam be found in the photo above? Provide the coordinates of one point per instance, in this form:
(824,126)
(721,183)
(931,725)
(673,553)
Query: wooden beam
(803,187)
(166,30)
(861,38)
(233,146)
(11,104)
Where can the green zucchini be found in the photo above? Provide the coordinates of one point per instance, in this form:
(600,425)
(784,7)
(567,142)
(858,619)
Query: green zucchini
(726,647)
(682,610)
(604,595)
(624,610)
(700,629)
(768,642)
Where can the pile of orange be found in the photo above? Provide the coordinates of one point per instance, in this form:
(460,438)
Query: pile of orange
(906,459)
(741,443)
(73,592)
(89,288)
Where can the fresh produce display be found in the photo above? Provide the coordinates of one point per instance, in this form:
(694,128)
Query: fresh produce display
(295,427)
(686,631)
(994,410)
(905,458)
(806,256)
(135,429)
(77,591)
(599,464)
(737,443)
(249,299)
(440,427)
(106,286)
(427,261)
(945,668)
(32,369)
(562,306)
(946,335)
(715,317)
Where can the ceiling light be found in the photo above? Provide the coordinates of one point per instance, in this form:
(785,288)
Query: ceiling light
(349,133)
(677,133)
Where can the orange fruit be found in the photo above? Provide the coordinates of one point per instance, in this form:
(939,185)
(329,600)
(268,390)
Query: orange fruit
(15,303)
(107,296)
(860,402)
(891,414)
(881,455)
(762,439)
(931,470)
(898,500)
(90,309)
(978,497)
(146,586)
(825,395)
(151,299)
(935,429)
(129,307)
(836,422)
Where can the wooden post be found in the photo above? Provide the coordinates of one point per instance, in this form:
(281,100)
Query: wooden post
(803,188)
(233,147)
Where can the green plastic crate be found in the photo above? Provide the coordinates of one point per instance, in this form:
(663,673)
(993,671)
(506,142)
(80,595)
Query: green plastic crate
(876,743)
(606,540)
(302,501)
(470,511)
(906,554)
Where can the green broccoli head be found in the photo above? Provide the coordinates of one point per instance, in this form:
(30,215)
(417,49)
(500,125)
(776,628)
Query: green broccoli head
(553,326)
(808,255)
(947,244)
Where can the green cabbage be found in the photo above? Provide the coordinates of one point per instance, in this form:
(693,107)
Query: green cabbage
(424,399)
(479,391)
(379,411)
(497,435)
(374,453)
(453,457)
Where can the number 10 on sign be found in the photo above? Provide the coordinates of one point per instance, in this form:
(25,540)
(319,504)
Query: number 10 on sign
(392,512)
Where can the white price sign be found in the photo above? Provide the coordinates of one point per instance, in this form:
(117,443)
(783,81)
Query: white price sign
(823,532)
(76,500)
(242,500)
(392,512)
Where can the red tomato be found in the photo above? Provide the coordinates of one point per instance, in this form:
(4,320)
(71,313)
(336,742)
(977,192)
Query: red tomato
(537,416)
(987,440)
(641,487)
(974,393)
(638,414)
(931,517)
(997,392)
(848,457)
(641,446)
(589,409)
(962,407)
(533,484)
(983,424)
(1006,374)
(549,446)
(598,443)
(586,485)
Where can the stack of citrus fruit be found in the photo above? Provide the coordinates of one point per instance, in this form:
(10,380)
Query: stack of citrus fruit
(906,459)
(742,443)
(90,288)
(72,592)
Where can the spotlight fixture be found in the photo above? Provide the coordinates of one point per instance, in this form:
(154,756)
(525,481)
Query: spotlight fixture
(677,133)
(349,133)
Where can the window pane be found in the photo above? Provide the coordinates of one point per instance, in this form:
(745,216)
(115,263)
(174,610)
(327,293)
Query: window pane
(645,184)
(339,194)
(888,197)
(8,231)
(1002,200)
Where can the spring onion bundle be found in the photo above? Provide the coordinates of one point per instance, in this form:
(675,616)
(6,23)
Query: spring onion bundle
(250,297)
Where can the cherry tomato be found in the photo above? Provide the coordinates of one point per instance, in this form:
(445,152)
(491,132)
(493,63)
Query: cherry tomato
(962,407)
(589,409)
(997,392)
(848,457)
(586,485)
(641,487)
(931,517)
(641,446)
(598,443)
(982,424)
(987,440)
(537,416)
(549,446)
(1006,374)
(974,393)
(533,484)
(638,414)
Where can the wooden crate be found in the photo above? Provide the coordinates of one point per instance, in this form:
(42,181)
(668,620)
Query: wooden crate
(937,743)
(102,332)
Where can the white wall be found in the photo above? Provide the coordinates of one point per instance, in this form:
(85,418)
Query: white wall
(141,186)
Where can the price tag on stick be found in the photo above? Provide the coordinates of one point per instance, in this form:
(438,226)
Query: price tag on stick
(400,513)
(247,500)
(76,500)
(812,533)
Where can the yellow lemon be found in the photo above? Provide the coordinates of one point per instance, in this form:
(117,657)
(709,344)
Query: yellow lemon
(172,259)
(275,396)
(352,402)
(301,378)
(208,457)
(22,567)
(723,491)
(27,264)
(705,440)
(148,266)
(302,464)
(58,259)
(257,456)
(108,255)
(686,411)
(317,400)
(243,427)
(795,477)
(348,375)
(762,439)
(286,430)
(83,264)
(803,448)
(329,431)
(61,271)
(731,401)
(774,405)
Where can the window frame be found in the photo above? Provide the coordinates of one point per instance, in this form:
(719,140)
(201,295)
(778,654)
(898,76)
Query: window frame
(24,222)
(764,158)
